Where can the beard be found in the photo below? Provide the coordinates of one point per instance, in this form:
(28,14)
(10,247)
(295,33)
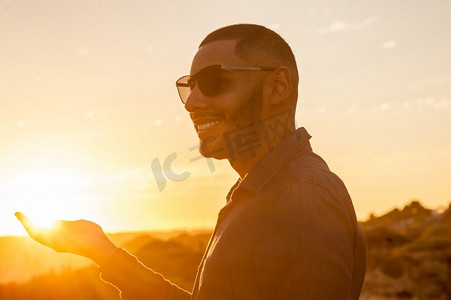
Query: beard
(246,115)
(249,113)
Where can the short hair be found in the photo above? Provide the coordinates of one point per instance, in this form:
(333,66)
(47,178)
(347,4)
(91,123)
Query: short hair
(257,40)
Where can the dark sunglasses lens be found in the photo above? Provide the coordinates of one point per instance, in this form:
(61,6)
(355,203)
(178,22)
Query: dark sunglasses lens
(209,80)
(183,87)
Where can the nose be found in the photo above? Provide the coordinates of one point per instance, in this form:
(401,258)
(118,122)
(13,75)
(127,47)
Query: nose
(196,100)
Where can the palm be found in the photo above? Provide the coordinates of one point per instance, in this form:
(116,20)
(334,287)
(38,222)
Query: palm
(80,237)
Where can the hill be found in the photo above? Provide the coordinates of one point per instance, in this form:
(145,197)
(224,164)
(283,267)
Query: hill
(409,257)
(409,254)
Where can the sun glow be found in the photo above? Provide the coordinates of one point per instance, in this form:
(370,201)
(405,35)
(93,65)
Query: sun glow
(47,195)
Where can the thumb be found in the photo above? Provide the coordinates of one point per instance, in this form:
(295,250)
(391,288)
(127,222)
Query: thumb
(34,232)
(23,219)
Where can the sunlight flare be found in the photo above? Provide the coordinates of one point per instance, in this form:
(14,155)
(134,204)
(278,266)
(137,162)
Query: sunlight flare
(47,195)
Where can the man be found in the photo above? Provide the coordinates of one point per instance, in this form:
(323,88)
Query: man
(288,229)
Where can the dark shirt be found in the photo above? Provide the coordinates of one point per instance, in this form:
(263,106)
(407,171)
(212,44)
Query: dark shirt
(288,231)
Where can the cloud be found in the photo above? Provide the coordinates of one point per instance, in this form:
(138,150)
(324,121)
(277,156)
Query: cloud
(158,122)
(353,109)
(419,104)
(341,26)
(384,106)
(431,102)
(84,51)
(389,44)
(275,26)
(90,114)
(150,48)
(321,109)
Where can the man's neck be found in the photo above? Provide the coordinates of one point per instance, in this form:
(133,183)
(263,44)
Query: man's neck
(244,161)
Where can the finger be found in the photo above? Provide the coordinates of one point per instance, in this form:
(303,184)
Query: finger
(20,216)
(24,220)
(38,234)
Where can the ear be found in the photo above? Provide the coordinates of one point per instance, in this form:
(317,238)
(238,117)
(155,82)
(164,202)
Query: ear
(280,87)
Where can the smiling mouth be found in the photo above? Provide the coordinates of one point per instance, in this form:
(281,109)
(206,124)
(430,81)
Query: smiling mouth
(207,125)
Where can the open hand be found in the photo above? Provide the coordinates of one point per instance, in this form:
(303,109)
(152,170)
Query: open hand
(80,237)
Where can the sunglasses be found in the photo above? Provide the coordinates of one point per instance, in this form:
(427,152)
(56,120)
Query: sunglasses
(208,80)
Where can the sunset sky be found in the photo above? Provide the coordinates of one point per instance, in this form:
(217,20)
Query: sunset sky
(88,105)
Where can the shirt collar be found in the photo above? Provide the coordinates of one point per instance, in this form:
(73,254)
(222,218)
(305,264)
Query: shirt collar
(273,162)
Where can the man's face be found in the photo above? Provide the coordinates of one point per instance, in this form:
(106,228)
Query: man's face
(237,104)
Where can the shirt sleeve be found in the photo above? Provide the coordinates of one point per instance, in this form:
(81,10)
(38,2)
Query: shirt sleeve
(308,251)
(136,281)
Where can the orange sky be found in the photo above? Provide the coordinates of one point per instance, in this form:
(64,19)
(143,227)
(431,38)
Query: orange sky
(88,102)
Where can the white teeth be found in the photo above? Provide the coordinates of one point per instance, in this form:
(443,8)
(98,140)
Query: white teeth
(207,125)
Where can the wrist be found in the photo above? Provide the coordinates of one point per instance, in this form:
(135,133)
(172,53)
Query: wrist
(103,252)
